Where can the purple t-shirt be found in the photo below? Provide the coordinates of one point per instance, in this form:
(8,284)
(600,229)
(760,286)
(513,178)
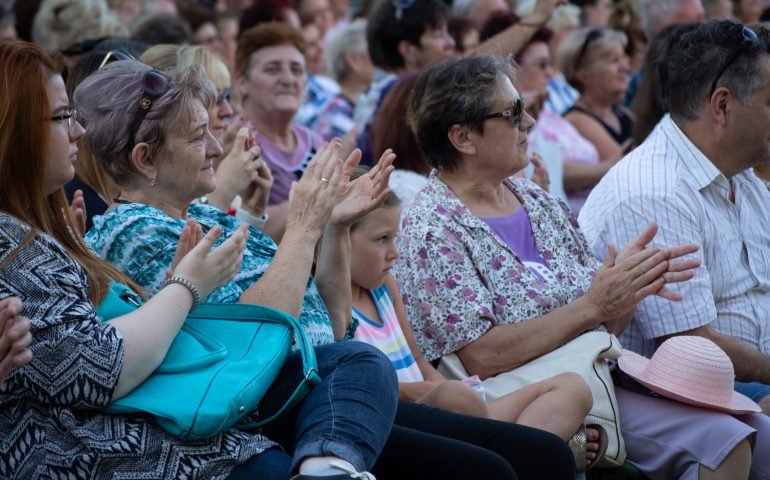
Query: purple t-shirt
(287,166)
(516,232)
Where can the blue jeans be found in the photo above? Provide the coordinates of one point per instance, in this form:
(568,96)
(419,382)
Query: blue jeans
(349,415)
(754,390)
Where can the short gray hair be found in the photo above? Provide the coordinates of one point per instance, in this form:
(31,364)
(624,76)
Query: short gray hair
(109,99)
(350,38)
(653,15)
(454,92)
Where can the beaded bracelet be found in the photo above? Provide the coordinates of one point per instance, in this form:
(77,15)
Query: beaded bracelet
(187,284)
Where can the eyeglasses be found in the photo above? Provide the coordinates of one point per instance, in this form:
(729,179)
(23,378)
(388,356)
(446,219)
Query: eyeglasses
(227,93)
(592,36)
(114,56)
(72,120)
(513,114)
(748,41)
(155,84)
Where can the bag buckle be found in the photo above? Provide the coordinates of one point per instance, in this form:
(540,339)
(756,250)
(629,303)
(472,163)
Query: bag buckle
(309,374)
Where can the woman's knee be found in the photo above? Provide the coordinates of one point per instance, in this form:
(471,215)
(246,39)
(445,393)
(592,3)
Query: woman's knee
(360,360)
(575,387)
(458,397)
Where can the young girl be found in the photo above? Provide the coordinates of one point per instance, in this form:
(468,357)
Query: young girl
(557,405)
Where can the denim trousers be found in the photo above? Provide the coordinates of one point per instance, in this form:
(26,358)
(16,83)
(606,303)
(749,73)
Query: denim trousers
(754,390)
(348,415)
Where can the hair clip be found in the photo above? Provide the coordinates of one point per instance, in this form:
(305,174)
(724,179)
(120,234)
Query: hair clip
(400,6)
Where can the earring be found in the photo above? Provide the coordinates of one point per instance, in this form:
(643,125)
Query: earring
(153,182)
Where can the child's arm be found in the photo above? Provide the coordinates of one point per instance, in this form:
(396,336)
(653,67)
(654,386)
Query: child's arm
(427,370)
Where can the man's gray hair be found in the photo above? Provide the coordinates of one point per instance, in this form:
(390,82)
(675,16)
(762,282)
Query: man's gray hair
(653,14)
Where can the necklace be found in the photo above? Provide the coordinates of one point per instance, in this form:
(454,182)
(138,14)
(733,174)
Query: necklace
(121,201)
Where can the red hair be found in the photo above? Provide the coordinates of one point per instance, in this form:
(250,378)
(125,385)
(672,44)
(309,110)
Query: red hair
(262,36)
(25,72)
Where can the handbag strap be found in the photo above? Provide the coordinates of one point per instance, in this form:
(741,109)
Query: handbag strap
(245,312)
(310,379)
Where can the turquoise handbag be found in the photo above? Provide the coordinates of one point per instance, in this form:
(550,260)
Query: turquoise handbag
(218,367)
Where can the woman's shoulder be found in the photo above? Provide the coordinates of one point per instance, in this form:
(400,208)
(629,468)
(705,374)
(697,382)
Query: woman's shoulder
(15,233)
(10,225)
(125,223)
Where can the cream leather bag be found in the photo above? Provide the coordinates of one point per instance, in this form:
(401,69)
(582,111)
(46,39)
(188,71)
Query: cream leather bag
(585,356)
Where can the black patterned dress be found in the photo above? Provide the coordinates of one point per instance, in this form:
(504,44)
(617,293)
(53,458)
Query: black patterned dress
(51,426)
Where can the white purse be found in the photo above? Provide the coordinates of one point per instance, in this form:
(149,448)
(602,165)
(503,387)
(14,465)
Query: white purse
(585,355)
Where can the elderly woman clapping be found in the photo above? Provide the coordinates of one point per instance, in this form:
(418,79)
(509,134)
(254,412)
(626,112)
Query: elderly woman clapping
(163,159)
(497,272)
(240,172)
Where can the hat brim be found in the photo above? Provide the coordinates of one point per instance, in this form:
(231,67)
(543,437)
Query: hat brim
(634,366)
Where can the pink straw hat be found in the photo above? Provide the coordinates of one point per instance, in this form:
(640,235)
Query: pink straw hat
(692,370)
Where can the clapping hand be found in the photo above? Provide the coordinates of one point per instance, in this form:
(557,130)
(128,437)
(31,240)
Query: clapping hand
(15,336)
(78,211)
(678,270)
(207,268)
(540,175)
(367,192)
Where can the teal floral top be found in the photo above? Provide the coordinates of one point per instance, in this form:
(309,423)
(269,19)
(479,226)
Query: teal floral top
(141,241)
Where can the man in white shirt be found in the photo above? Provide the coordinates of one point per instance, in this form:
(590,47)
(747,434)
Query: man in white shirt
(692,176)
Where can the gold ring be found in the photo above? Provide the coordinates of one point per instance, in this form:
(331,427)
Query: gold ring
(324,179)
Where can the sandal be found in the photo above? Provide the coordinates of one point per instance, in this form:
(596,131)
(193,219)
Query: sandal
(578,444)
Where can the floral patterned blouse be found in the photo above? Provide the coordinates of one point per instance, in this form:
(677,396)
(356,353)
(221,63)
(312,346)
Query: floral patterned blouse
(459,279)
(141,241)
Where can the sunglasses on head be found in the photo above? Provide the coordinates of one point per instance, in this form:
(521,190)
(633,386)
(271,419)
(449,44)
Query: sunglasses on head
(513,114)
(155,84)
(749,40)
(114,56)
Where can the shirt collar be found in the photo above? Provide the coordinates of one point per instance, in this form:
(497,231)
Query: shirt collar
(701,172)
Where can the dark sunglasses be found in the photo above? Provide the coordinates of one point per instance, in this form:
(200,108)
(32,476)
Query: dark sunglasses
(114,56)
(748,41)
(513,114)
(155,84)
(225,96)
(591,37)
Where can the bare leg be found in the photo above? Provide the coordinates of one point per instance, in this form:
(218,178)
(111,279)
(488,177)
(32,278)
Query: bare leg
(557,405)
(735,466)
(456,397)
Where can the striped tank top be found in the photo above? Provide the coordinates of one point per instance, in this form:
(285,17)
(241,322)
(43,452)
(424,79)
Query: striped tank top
(385,333)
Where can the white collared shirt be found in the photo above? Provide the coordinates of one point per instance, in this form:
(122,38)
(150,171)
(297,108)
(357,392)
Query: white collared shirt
(669,180)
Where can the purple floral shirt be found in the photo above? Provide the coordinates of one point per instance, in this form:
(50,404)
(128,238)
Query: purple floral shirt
(459,279)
